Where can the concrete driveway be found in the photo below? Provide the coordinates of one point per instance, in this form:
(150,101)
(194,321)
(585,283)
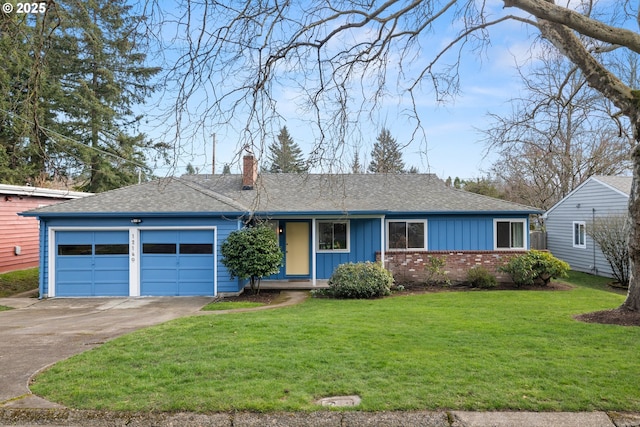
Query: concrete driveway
(38,333)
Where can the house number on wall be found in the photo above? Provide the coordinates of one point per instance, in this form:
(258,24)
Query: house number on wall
(132,249)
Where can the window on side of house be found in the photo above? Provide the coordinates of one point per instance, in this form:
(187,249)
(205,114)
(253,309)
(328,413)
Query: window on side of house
(509,234)
(407,235)
(579,234)
(333,236)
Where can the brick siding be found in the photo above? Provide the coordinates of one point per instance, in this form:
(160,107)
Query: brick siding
(409,266)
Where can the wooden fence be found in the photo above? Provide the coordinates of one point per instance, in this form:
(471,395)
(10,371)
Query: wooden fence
(538,240)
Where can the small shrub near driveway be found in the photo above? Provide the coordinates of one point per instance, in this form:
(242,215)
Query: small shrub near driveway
(252,253)
(480,277)
(535,267)
(360,281)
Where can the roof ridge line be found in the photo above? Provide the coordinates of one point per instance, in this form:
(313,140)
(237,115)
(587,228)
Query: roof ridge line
(214,195)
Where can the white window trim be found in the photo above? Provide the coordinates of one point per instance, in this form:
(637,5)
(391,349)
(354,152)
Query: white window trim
(332,251)
(573,234)
(424,248)
(525,237)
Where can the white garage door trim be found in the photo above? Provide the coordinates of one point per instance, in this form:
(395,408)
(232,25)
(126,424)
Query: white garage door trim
(134,253)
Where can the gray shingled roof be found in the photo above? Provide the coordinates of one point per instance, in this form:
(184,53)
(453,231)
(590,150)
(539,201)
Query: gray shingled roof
(162,196)
(290,193)
(620,183)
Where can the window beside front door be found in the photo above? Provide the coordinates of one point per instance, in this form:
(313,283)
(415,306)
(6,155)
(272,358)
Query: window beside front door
(509,234)
(407,235)
(579,234)
(333,236)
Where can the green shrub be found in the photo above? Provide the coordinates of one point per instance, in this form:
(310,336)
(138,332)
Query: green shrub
(435,271)
(361,280)
(535,267)
(252,253)
(480,277)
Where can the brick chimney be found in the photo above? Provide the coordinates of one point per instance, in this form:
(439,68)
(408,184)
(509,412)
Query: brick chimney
(249,172)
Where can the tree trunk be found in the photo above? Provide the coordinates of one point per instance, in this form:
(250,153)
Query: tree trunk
(633,295)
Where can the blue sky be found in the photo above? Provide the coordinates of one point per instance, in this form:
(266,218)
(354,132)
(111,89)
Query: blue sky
(453,146)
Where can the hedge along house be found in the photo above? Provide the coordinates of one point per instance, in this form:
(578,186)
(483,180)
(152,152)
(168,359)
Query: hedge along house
(164,237)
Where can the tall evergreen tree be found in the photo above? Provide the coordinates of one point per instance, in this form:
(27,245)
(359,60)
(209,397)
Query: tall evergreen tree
(78,71)
(26,86)
(285,155)
(386,156)
(105,79)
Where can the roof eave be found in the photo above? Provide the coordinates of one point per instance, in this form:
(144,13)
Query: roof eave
(130,214)
(392,212)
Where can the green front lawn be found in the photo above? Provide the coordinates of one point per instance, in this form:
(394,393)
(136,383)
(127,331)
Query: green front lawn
(479,350)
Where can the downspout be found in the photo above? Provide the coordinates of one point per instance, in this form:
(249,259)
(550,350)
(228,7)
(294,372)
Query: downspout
(313,252)
(42,226)
(593,221)
(382,240)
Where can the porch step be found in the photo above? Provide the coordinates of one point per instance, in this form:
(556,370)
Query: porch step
(292,284)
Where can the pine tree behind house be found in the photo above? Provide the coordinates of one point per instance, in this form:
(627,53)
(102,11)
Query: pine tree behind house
(108,79)
(285,156)
(386,156)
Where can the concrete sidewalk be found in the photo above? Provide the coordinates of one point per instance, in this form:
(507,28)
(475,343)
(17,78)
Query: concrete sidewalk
(71,418)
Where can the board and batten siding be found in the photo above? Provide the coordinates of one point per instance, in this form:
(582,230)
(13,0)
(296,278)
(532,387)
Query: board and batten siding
(579,206)
(460,233)
(364,242)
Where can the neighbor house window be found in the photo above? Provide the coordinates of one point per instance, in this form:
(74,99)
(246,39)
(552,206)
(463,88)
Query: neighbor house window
(407,235)
(579,234)
(509,234)
(333,236)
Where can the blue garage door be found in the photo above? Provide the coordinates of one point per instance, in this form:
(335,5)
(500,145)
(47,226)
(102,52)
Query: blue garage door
(177,262)
(92,263)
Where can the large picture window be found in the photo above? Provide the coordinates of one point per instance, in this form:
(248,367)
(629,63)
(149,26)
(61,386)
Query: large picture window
(579,234)
(509,234)
(406,235)
(333,236)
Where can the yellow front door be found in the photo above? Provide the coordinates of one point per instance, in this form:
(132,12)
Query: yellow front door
(297,252)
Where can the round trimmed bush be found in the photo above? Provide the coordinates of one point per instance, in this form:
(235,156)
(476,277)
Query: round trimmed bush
(362,280)
(535,267)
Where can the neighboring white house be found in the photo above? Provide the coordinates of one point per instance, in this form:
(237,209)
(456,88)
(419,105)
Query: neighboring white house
(566,222)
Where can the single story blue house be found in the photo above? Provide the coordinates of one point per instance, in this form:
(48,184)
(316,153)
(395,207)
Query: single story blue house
(163,237)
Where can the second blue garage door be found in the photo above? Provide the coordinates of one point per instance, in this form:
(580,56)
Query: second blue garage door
(177,262)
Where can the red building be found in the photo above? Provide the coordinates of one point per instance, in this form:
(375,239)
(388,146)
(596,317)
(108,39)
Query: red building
(19,236)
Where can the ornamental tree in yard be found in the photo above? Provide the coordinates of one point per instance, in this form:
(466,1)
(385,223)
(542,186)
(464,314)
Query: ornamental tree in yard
(611,234)
(252,253)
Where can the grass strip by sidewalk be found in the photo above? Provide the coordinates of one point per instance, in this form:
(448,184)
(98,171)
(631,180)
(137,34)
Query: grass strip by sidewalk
(480,350)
